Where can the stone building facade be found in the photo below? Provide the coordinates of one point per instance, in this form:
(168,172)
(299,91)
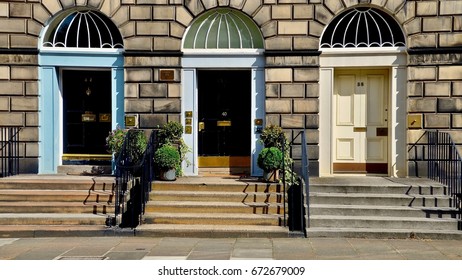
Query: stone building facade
(294,81)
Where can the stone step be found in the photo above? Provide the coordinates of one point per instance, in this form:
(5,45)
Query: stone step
(384,233)
(379,199)
(36,231)
(57,195)
(43,182)
(51,219)
(231,186)
(214,219)
(211,231)
(435,189)
(323,221)
(381,210)
(214,207)
(55,207)
(215,196)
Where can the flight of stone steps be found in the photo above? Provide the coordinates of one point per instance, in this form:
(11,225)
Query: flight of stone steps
(381,208)
(40,206)
(212,207)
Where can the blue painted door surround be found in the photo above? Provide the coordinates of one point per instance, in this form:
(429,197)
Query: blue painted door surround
(50,97)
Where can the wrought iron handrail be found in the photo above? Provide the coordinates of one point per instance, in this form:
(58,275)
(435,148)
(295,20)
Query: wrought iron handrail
(443,163)
(134,176)
(296,183)
(9,151)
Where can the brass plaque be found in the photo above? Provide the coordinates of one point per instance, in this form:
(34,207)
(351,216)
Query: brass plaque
(258,122)
(167,75)
(223,123)
(188,114)
(414,121)
(382,131)
(105,117)
(188,129)
(360,129)
(88,117)
(130,121)
(188,121)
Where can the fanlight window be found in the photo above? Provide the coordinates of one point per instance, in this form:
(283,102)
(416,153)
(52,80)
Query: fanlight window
(363,28)
(223,28)
(83,29)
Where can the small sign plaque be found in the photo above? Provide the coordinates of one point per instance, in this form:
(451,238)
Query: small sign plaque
(167,75)
(188,129)
(188,114)
(130,120)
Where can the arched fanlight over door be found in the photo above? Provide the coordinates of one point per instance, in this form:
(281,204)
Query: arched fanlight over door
(363,27)
(223,28)
(82,28)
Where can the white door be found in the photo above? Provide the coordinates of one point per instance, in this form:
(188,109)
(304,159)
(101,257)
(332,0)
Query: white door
(360,106)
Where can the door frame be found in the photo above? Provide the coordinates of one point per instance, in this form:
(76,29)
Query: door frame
(394,59)
(50,97)
(192,61)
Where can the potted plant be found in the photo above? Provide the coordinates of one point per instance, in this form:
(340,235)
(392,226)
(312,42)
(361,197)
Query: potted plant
(272,136)
(270,160)
(171,134)
(167,159)
(138,140)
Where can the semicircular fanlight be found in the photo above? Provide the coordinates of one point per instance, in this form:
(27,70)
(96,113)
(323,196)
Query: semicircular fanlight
(223,28)
(83,29)
(363,28)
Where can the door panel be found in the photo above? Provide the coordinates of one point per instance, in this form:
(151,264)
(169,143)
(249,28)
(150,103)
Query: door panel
(360,105)
(86,112)
(224,117)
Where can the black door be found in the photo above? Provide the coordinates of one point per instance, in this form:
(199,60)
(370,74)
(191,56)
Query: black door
(224,112)
(86,112)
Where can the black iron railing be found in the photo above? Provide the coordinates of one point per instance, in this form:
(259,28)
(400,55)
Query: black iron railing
(9,151)
(134,175)
(295,178)
(439,155)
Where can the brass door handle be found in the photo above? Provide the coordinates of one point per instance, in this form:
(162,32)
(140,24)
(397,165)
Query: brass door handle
(201,126)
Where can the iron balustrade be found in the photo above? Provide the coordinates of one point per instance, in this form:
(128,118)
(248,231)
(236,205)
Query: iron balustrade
(9,151)
(295,179)
(443,162)
(134,178)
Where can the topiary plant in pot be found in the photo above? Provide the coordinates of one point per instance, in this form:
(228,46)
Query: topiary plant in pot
(167,159)
(270,160)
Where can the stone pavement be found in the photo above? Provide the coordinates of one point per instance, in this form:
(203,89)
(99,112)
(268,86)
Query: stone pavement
(141,248)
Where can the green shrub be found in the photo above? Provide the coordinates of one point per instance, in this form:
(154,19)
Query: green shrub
(270,159)
(272,135)
(138,140)
(171,132)
(167,157)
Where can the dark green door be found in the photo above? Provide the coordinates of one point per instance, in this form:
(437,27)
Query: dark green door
(86,114)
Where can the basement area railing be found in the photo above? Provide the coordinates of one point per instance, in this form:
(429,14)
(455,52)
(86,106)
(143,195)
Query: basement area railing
(435,156)
(295,178)
(134,175)
(9,151)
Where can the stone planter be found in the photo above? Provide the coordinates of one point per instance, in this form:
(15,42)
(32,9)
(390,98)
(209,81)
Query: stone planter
(168,175)
(271,176)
